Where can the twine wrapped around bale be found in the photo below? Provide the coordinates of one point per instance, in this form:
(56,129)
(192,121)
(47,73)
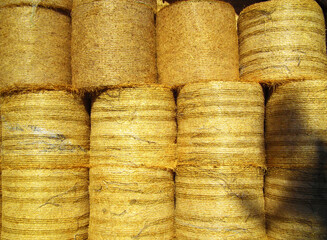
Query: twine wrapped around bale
(34,47)
(135,127)
(54,4)
(282,41)
(225,202)
(113,42)
(132,146)
(220,149)
(296,139)
(44,166)
(296,124)
(131,203)
(197,41)
(221,123)
(296,203)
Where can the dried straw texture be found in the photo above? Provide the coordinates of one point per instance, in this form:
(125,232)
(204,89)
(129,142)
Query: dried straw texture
(45,129)
(132,146)
(113,42)
(44,204)
(221,123)
(197,41)
(44,154)
(34,47)
(0,176)
(296,203)
(131,203)
(296,124)
(56,4)
(282,41)
(225,202)
(161,4)
(220,149)
(134,127)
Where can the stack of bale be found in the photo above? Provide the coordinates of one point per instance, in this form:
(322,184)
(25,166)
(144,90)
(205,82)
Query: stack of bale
(220,140)
(45,126)
(282,44)
(133,127)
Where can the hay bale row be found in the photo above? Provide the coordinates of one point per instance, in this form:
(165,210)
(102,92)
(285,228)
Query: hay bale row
(220,150)
(44,166)
(132,153)
(296,159)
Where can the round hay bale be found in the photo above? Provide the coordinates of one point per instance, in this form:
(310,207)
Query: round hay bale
(34,47)
(220,150)
(131,203)
(45,142)
(44,129)
(296,125)
(220,123)
(113,43)
(197,41)
(54,4)
(296,203)
(282,41)
(224,202)
(45,204)
(134,127)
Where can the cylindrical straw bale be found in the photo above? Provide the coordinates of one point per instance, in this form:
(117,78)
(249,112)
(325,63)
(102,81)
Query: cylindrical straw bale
(296,125)
(34,47)
(221,123)
(45,140)
(44,129)
(282,41)
(296,203)
(113,42)
(197,41)
(54,4)
(220,149)
(132,147)
(45,204)
(225,202)
(131,203)
(135,127)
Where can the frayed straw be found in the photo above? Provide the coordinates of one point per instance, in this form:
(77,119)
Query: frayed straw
(54,4)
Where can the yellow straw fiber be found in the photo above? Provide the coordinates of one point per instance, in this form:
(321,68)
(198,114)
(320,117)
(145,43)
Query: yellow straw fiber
(113,42)
(54,4)
(296,124)
(44,158)
(132,147)
(282,41)
(197,41)
(296,139)
(220,149)
(34,47)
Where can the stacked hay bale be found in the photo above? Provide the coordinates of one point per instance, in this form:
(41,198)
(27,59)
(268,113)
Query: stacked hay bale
(44,165)
(113,43)
(282,42)
(296,188)
(197,41)
(45,127)
(219,181)
(132,156)
(34,43)
(220,150)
